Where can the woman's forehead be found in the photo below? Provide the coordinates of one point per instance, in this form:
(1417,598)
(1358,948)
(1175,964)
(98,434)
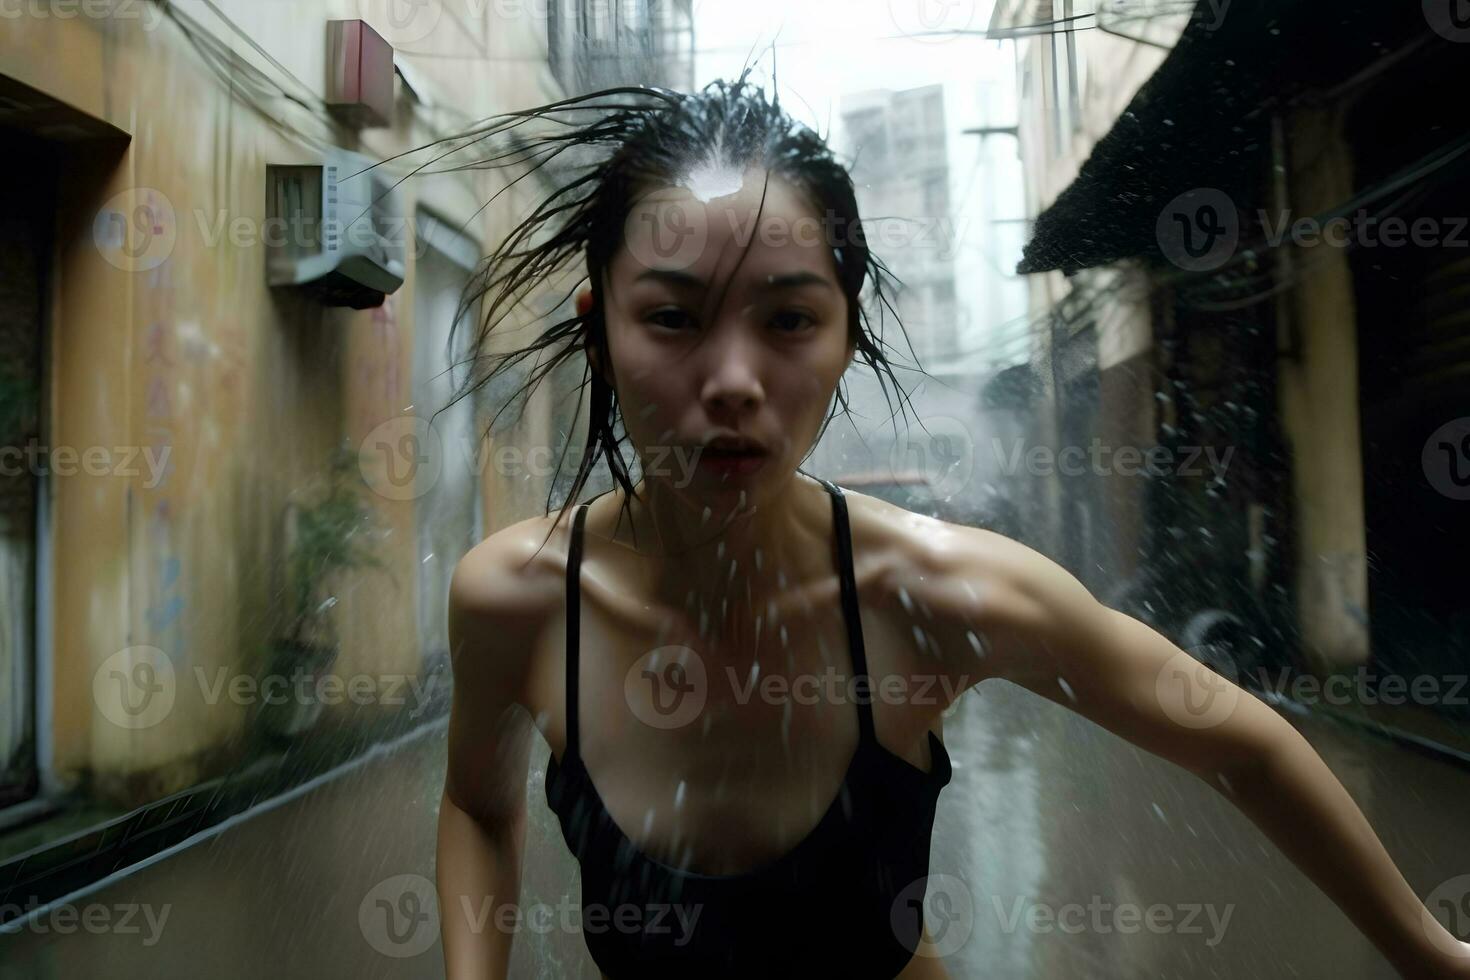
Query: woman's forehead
(672,227)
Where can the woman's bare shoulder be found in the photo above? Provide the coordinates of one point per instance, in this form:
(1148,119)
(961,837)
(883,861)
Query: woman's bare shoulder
(506,589)
(916,558)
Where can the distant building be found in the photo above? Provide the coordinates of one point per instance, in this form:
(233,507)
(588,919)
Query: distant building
(901,171)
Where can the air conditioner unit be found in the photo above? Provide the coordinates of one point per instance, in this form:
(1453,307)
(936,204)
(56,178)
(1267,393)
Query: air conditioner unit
(334,231)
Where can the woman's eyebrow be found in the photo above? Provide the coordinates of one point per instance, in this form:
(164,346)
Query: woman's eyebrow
(789,280)
(793,280)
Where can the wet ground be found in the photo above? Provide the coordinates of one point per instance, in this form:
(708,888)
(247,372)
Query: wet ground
(1057,836)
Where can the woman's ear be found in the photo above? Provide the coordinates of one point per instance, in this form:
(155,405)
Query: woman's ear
(584,307)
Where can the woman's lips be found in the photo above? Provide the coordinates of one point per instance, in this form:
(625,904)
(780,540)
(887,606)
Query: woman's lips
(726,463)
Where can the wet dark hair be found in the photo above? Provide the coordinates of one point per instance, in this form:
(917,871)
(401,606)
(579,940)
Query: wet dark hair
(655,135)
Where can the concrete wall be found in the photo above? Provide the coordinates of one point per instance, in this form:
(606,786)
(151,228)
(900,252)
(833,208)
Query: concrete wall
(247,388)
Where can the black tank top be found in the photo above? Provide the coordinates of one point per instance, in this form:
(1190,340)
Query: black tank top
(845,901)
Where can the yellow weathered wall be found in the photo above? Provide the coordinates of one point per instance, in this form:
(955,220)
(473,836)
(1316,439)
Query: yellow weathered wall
(248,387)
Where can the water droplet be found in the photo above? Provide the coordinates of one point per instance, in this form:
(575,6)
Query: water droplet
(1062,682)
(679,795)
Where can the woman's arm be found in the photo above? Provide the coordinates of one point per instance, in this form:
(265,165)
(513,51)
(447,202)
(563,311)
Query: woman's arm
(482,814)
(1046,633)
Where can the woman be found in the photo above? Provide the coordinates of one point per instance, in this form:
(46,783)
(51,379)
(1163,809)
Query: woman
(727,825)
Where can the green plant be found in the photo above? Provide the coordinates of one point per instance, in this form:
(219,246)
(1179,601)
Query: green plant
(335,532)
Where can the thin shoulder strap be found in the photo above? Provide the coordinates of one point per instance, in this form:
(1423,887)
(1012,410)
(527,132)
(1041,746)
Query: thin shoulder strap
(574,618)
(850,612)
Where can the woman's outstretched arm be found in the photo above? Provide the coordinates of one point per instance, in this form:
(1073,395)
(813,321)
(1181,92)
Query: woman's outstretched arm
(1048,634)
(482,814)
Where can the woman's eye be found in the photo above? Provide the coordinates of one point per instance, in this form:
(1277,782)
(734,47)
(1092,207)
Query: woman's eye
(670,319)
(789,321)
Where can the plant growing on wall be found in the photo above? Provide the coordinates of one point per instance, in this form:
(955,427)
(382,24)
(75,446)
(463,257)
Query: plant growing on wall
(332,533)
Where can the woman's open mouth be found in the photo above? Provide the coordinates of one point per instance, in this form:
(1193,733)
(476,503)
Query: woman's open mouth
(728,462)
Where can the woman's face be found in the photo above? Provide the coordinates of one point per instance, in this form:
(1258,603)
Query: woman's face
(759,362)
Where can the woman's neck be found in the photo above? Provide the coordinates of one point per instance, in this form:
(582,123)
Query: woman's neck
(728,564)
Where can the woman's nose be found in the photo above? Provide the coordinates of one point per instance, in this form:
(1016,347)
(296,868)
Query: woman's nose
(732,377)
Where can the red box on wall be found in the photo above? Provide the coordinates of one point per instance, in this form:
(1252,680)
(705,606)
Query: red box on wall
(359,74)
